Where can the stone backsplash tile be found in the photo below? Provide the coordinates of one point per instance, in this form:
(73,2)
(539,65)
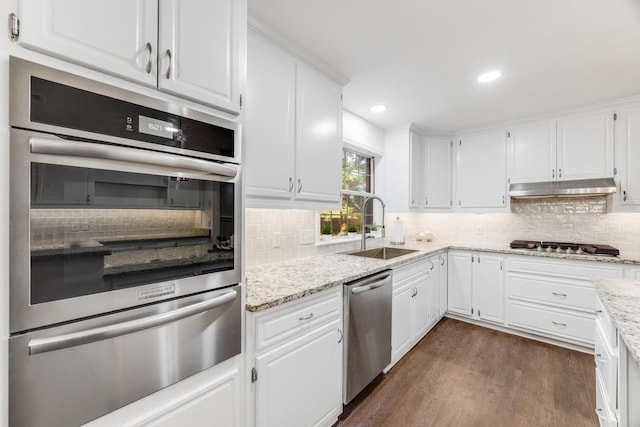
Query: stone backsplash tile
(574,219)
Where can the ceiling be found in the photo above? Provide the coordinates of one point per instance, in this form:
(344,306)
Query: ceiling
(421,58)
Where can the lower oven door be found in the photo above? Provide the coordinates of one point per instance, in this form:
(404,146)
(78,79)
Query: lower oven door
(97,228)
(69,375)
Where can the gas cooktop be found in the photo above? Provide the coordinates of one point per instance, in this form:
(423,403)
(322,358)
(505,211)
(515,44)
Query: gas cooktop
(565,248)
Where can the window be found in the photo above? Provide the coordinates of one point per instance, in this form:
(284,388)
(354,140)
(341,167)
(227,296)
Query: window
(357,183)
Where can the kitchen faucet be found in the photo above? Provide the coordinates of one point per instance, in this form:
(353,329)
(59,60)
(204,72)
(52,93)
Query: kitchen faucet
(363,244)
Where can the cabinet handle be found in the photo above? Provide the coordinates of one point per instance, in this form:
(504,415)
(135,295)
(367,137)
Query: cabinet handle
(599,357)
(441,261)
(553,173)
(299,185)
(624,196)
(413,201)
(562,325)
(168,75)
(478,259)
(559,173)
(290,184)
(426,201)
(503,199)
(150,61)
(473,259)
(559,295)
(341,336)
(306,317)
(415,292)
(500,265)
(432,265)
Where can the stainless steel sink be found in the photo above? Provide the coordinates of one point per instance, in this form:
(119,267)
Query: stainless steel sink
(383,253)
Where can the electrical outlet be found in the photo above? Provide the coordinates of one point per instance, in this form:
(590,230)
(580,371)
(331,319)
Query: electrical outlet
(276,239)
(307,237)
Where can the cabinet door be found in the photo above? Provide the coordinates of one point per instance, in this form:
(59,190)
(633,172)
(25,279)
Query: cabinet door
(401,335)
(319,137)
(443,284)
(270,121)
(532,152)
(421,317)
(460,282)
(490,288)
(628,132)
(300,383)
(416,199)
(437,173)
(434,291)
(482,170)
(199,51)
(118,37)
(585,147)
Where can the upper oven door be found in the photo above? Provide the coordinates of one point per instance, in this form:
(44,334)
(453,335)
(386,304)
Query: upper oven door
(97,227)
(53,101)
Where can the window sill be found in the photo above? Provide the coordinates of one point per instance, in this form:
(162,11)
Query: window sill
(342,240)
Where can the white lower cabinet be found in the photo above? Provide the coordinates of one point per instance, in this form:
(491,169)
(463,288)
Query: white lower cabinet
(617,376)
(443,279)
(296,353)
(554,298)
(476,285)
(210,398)
(416,304)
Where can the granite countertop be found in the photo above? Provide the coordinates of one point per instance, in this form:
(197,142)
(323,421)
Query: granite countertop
(621,299)
(269,285)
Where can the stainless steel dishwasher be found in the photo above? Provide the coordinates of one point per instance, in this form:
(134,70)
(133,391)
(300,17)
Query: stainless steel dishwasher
(367,322)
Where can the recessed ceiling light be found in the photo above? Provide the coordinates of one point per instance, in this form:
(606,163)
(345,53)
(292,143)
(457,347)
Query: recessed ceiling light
(378,108)
(489,77)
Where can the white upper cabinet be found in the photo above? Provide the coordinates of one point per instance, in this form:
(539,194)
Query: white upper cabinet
(585,146)
(628,133)
(481,170)
(293,128)
(95,34)
(190,49)
(270,118)
(318,137)
(416,193)
(199,45)
(437,173)
(532,152)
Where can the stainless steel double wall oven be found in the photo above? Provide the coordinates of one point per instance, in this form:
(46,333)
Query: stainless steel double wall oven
(125,245)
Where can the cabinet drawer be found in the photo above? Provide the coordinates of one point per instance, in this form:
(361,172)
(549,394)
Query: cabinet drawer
(608,328)
(569,269)
(285,322)
(409,272)
(548,291)
(606,417)
(606,365)
(551,321)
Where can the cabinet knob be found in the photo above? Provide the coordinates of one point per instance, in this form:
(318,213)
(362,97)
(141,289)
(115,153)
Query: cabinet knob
(559,173)
(150,61)
(624,195)
(553,173)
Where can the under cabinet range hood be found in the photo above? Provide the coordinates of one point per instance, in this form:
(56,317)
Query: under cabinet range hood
(577,188)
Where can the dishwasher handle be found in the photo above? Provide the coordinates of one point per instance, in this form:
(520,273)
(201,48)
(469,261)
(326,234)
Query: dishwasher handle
(371,282)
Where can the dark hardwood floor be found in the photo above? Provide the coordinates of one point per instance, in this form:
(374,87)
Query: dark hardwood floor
(464,375)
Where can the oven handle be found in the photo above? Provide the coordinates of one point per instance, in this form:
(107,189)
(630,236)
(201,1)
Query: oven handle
(43,345)
(111,152)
